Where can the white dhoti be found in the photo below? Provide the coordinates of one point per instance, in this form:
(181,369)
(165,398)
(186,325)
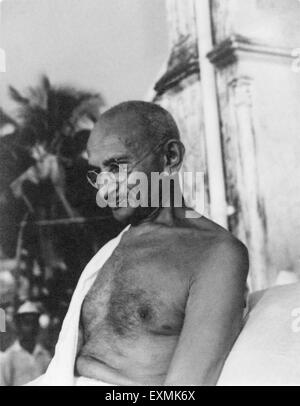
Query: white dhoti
(61,369)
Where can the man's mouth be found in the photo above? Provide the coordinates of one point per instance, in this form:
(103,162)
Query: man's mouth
(119,202)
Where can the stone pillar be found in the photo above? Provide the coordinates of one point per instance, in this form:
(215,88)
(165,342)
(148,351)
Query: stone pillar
(258,92)
(252,227)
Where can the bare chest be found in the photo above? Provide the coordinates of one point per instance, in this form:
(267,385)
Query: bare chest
(138,291)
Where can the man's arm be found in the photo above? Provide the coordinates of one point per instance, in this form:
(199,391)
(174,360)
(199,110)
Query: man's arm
(213,317)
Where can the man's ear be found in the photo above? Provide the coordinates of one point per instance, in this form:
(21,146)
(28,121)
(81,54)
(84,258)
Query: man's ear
(173,155)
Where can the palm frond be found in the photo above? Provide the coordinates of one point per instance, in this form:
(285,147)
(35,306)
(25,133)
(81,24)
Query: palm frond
(17,96)
(89,107)
(49,114)
(6,119)
(45,83)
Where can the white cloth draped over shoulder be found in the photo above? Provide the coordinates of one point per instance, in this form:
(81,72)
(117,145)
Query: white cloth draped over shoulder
(61,369)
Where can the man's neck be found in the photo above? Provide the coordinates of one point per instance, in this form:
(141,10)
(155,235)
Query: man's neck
(167,216)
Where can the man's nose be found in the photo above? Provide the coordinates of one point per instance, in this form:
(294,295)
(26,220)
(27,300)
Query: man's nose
(107,184)
(107,189)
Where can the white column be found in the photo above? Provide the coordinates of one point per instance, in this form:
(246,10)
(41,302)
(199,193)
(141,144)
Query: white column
(216,179)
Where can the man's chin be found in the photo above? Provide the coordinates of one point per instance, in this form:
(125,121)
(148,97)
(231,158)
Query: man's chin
(123,214)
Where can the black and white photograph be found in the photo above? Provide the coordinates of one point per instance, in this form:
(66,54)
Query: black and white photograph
(149,195)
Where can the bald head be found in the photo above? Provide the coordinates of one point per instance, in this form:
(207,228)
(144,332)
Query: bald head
(141,136)
(138,124)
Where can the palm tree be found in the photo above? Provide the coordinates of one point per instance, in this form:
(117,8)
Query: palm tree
(52,125)
(49,118)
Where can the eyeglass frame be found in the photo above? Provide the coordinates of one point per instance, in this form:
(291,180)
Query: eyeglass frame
(92,171)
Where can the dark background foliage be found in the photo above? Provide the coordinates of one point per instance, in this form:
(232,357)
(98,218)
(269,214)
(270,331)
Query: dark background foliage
(50,226)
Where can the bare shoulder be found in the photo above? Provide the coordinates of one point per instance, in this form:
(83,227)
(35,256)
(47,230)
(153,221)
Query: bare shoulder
(232,253)
(198,246)
(219,250)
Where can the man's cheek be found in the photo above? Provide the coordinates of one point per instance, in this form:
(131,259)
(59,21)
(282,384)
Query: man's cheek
(106,196)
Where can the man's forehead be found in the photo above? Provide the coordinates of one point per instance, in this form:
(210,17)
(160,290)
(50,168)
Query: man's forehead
(100,138)
(115,136)
(102,146)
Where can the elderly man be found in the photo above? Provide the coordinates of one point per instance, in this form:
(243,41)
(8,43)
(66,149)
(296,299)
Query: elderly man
(25,360)
(167,305)
(162,303)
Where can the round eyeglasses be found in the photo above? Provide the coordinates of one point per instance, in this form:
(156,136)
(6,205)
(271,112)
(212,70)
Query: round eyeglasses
(92,175)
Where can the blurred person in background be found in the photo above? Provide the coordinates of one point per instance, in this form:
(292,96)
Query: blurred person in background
(25,360)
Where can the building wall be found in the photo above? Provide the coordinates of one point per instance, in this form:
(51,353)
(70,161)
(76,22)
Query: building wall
(259,98)
(258,95)
(273,21)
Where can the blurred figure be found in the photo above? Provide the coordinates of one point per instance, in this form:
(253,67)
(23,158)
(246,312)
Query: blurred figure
(25,360)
